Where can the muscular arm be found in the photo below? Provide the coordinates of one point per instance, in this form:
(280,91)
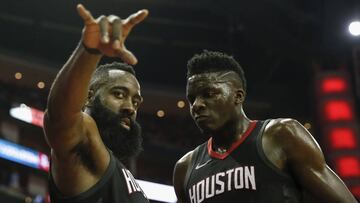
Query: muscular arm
(307,164)
(79,157)
(179,176)
(65,124)
(64,120)
(67,128)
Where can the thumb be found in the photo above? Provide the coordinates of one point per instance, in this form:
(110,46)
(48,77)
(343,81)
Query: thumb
(127,56)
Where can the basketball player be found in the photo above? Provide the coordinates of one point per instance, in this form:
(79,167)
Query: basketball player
(90,118)
(246,160)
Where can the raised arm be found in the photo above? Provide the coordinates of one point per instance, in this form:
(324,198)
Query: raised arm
(307,164)
(78,156)
(64,121)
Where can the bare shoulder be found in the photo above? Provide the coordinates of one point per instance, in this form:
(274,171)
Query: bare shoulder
(295,141)
(79,147)
(186,158)
(304,158)
(286,130)
(66,137)
(274,142)
(281,125)
(183,163)
(79,157)
(179,175)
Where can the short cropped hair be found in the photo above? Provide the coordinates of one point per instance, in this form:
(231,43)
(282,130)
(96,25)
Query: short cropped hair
(213,61)
(100,76)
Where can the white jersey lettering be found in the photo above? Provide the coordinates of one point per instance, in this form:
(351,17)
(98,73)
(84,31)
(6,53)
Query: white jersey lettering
(250,177)
(239,178)
(200,191)
(192,194)
(131,183)
(229,173)
(210,190)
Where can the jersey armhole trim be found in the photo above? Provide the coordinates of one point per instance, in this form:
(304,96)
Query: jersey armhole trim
(262,154)
(194,157)
(216,155)
(93,189)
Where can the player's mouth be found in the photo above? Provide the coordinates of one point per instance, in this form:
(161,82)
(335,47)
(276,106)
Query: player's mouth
(125,123)
(201,118)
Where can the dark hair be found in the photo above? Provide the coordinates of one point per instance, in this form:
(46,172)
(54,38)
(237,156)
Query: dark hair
(100,76)
(213,61)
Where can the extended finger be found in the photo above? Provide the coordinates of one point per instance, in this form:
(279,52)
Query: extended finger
(104,29)
(136,18)
(127,56)
(116,31)
(85,14)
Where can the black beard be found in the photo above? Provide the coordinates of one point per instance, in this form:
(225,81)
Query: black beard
(122,142)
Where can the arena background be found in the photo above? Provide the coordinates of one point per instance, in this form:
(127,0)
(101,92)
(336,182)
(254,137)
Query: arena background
(299,58)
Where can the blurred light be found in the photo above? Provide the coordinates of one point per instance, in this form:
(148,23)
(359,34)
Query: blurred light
(160,113)
(28,114)
(342,138)
(158,192)
(336,110)
(39,199)
(181,104)
(333,85)
(41,85)
(23,155)
(28,199)
(354,28)
(18,76)
(307,125)
(348,166)
(26,156)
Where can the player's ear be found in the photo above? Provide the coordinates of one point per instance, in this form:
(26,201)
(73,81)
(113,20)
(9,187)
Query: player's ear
(239,96)
(90,99)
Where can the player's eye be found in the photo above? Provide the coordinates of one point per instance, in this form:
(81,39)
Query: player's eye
(119,94)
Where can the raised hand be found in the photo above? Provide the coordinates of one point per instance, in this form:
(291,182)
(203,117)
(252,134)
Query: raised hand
(107,34)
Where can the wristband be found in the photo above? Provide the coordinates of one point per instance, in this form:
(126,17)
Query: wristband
(91,50)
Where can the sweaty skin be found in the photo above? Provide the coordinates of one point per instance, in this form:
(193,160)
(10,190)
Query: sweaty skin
(216,90)
(286,143)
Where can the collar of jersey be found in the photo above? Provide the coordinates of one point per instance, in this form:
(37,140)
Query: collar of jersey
(234,145)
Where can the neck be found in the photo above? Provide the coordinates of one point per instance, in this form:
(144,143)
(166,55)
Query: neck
(230,133)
